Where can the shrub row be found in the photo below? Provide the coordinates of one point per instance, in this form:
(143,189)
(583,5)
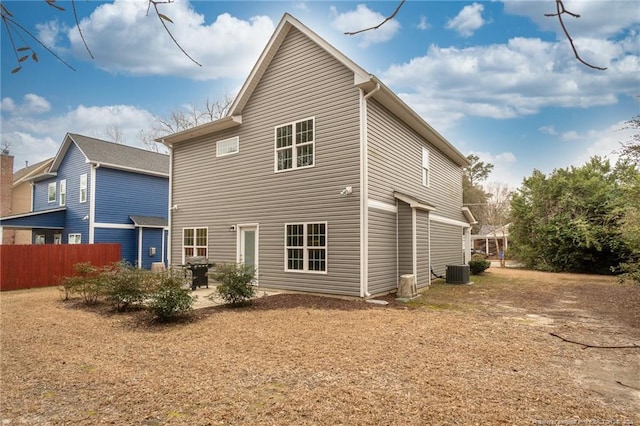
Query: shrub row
(127,287)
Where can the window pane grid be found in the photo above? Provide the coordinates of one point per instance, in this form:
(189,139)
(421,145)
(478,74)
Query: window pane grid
(306,247)
(295,145)
(195,242)
(284,136)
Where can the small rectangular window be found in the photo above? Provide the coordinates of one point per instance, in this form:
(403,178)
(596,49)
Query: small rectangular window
(75,238)
(425,167)
(51,194)
(63,192)
(306,247)
(39,239)
(194,242)
(295,145)
(227,146)
(83,188)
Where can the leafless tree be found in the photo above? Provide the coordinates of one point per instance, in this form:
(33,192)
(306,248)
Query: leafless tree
(190,116)
(496,211)
(114,133)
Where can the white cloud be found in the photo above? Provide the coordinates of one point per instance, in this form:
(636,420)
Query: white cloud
(468,20)
(7,104)
(511,80)
(362,18)
(33,138)
(124,39)
(548,130)
(571,135)
(35,104)
(604,142)
(504,167)
(423,24)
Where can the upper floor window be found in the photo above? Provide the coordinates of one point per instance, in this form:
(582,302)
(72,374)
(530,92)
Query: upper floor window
(306,247)
(75,238)
(295,144)
(227,146)
(63,192)
(425,167)
(194,242)
(51,194)
(83,188)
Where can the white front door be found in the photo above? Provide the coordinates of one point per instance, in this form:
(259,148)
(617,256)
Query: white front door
(248,246)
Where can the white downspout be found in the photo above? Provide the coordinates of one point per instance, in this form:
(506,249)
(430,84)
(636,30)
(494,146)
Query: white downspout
(364,195)
(140,247)
(92,203)
(169,214)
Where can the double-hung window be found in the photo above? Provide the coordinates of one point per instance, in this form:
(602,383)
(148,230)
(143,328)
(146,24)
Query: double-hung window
(63,192)
(51,192)
(194,242)
(83,188)
(75,238)
(295,145)
(306,247)
(425,167)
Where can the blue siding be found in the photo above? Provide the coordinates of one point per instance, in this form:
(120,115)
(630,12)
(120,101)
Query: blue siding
(151,237)
(120,194)
(128,239)
(41,195)
(71,167)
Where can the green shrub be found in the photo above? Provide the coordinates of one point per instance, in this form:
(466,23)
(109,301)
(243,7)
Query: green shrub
(478,264)
(629,272)
(235,282)
(126,285)
(170,299)
(86,283)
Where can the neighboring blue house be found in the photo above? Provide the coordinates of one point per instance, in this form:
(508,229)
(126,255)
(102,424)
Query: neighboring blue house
(101,192)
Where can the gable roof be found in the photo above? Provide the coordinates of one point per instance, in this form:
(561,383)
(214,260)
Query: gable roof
(114,155)
(25,173)
(361,79)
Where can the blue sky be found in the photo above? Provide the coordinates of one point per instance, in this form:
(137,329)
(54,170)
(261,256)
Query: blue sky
(497,79)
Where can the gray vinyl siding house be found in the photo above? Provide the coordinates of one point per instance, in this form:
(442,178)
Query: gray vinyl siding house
(315,177)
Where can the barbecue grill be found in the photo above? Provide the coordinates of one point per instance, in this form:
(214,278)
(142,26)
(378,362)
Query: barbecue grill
(199,267)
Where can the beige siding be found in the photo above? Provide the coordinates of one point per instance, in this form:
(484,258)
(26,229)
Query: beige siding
(395,164)
(383,251)
(446,246)
(422,234)
(301,82)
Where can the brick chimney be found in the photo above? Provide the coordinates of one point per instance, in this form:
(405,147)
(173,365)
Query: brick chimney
(6,185)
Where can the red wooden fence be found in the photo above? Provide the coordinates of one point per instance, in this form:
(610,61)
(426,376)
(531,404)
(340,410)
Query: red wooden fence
(42,265)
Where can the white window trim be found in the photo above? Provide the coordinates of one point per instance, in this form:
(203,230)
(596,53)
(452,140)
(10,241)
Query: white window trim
(83,186)
(55,192)
(426,178)
(293,147)
(194,246)
(305,249)
(75,235)
(63,192)
(237,149)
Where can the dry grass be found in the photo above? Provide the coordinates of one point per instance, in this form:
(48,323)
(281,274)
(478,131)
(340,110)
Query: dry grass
(465,355)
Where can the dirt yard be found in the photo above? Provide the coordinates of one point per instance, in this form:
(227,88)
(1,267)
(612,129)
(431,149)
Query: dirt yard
(468,355)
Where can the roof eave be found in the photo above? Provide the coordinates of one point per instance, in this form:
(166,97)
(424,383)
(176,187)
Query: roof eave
(202,130)
(469,216)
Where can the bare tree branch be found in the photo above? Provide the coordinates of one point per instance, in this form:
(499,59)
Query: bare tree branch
(559,6)
(163,18)
(75,16)
(586,345)
(12,27)
(387,19)
(561,10)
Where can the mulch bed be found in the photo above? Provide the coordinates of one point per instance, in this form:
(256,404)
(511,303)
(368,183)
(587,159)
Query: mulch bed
(468,355)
